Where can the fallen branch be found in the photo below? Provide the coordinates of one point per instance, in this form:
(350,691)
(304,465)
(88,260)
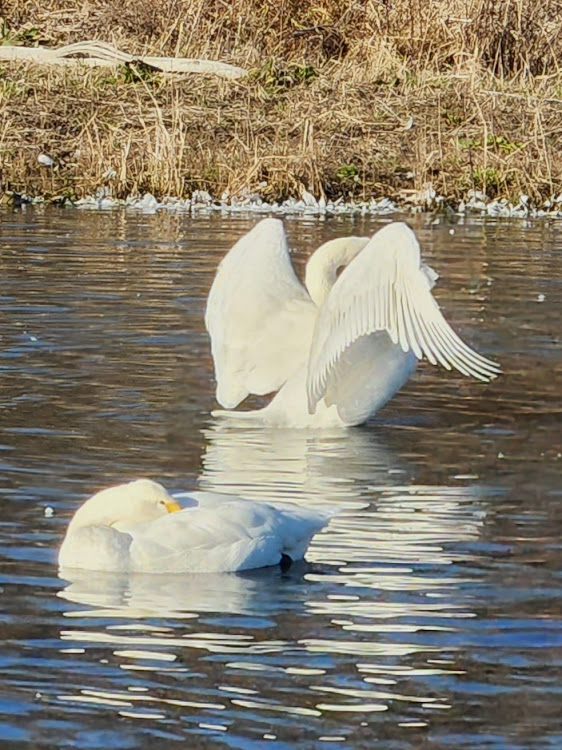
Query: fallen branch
(100,54)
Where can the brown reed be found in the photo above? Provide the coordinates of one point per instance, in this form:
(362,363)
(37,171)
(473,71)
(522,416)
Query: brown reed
(344,98)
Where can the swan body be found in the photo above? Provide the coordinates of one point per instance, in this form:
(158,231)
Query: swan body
(338,350)
(140,527)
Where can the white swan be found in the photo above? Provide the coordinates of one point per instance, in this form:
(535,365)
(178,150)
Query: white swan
(339,351)
(140,527)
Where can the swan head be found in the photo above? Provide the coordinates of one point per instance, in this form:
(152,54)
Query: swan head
(125,505)
(322,267)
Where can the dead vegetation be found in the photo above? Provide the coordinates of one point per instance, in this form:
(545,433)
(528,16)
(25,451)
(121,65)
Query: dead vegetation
(344,98)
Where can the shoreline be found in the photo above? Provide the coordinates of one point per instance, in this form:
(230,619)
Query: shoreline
(202,202)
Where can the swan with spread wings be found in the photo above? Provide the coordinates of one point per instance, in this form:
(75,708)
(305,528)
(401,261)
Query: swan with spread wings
(336,351)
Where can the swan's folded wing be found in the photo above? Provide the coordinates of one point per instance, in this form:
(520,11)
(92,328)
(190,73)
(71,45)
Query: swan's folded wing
(259,316)
(224,533)
(386,288)
(217,538)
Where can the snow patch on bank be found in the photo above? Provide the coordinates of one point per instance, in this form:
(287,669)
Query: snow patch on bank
(475,203)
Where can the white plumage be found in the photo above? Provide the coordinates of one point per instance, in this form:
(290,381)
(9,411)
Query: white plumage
(140,527)
(338,353)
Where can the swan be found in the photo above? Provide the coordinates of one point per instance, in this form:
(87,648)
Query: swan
(140,527)
(336,351)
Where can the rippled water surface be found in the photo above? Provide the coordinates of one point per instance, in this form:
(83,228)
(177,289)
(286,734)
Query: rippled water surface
(429,614)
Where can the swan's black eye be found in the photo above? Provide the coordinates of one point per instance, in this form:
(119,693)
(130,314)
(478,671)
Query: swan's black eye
(340,270)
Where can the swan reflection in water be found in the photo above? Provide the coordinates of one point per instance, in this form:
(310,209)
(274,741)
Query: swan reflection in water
(385,515)
(176,595)
(381,598)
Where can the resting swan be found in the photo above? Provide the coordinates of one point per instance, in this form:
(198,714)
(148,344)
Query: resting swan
(140,527)
(338,350)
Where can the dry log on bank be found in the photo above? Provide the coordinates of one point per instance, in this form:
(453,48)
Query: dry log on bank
(101,54)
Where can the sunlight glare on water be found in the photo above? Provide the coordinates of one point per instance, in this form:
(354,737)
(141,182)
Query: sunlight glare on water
(428,613)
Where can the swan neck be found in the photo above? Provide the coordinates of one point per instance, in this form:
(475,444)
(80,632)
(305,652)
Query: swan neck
(319,279)
(322,267)
(84,518)
(99,510)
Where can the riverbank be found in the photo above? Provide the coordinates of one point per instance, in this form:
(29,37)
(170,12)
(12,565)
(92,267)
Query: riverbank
(341,105)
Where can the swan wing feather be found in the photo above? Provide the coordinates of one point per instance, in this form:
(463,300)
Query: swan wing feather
(224,533)
(259,316)
(387,288)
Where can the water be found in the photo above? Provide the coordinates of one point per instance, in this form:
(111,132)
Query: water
(429,613)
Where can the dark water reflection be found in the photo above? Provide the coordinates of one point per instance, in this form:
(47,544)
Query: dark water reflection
(429,614)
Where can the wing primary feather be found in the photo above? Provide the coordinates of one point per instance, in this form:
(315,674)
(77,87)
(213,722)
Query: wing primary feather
(398,315)
(462,350)
(431,352)
(437,351)
(372,308)
(451,355)
(381,313)
(363,302)
(478,359)
(444,342)
(391,309)
(365,317)
(359,320)
(411,323)
(386,304)
(402,327)
(353,318)
(459,359)
(446,355)
(434,324)
(377,309)
(392,314)
(405,333)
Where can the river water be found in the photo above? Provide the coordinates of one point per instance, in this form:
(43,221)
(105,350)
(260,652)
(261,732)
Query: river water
(429,614)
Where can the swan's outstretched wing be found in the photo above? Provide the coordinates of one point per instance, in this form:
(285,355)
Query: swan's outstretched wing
(259,316)
(386,288)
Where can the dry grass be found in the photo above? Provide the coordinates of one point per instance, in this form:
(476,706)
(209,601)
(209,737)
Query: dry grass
(335,87)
